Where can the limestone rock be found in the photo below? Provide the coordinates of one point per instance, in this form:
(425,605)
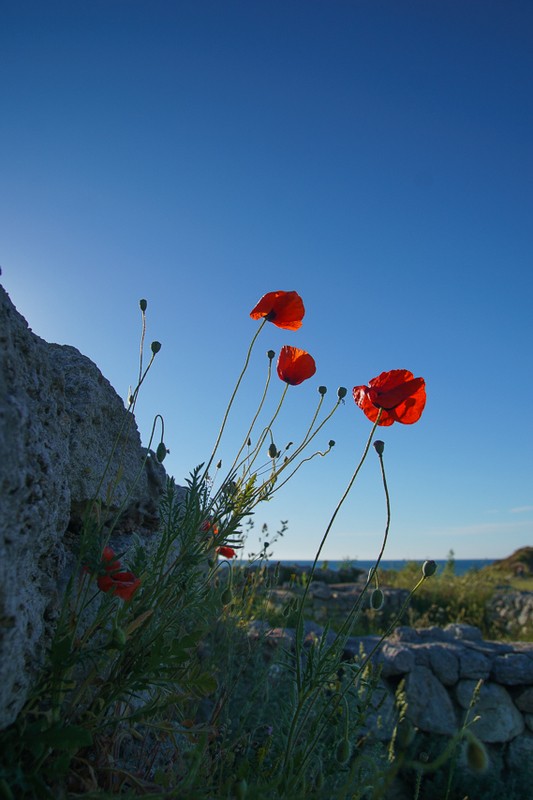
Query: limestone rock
(59,420)
(513,669)
(429,706)
(500,720)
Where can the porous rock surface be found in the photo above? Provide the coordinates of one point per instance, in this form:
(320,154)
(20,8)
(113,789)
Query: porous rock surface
(59,422)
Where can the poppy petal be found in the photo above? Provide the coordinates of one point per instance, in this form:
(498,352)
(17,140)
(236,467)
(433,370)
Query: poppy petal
(295,365)
(284,309)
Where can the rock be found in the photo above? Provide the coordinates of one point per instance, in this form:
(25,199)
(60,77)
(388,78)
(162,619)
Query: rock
(524,700)
(513,669)
(461,631)
(59,420)
(520,753)
(473,664)
(500,720)
(429,706)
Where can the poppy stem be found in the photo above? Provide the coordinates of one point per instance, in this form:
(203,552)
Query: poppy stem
(250,429)
(232,398)
(322,543)
(261,441)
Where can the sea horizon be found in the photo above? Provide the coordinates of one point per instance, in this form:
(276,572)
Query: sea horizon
(461,565)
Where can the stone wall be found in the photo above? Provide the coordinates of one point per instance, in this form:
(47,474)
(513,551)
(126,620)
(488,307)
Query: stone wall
(440,668)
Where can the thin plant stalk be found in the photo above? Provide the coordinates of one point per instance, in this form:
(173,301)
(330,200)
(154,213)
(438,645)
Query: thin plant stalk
(232,398)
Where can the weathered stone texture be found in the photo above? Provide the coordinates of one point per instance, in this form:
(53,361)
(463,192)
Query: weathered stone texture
(59,420)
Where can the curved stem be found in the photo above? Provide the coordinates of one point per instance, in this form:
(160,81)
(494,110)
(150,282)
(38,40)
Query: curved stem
(232,398)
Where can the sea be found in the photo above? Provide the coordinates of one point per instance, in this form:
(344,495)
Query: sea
(461,565)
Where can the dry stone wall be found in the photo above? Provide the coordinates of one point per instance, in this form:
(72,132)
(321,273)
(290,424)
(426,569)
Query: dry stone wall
(440,668)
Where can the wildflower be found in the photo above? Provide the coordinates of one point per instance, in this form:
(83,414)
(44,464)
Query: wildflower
(295,366)
(400,396)
(123,584)
(226,552)
(207,525)
(284,309)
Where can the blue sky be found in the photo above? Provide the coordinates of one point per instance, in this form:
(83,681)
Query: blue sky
(374,156)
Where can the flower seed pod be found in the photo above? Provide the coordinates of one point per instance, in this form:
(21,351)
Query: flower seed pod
(429,568)
(270,354)
(161,452)
(142,305)
(322,390)
(379,447)
(332,443)
(341,392)
(155,347)
(343,751)
(273,451)
(377,599)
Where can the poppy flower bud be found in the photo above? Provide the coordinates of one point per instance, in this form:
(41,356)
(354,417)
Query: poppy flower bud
(332,443)
(119,638)
(161,452)
(379,447)
(240,789)
(476,755)
(405,733)
(270,354)
(377,598)
(272,450)
(142,305)
(341,392)
(226,597)
(343,751)
(155,347)
(249,443)
(322,390)
(219,464)
(429,568)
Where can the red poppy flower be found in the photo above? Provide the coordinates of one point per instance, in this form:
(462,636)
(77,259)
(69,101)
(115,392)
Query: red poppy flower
(295,366)
(226,552)
(284,309)
(207,525)
(398,393)
(108,560)
(123,584)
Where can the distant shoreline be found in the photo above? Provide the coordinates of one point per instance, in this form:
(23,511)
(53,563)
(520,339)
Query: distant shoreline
(461,565)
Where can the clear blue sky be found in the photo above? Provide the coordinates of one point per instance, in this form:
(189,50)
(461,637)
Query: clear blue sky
(374,156)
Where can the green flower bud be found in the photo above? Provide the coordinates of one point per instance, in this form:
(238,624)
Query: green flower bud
(322,390)
(219,464)
(377,599)
(226,597)
(119,638)
(343,751)
(155,347)
(341,392)
(379,447)
(272,450)
(270,354)
(332,443)
(161,452)
(405,733)
(142,305)
(429,568)
(240,789)
(476,755)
